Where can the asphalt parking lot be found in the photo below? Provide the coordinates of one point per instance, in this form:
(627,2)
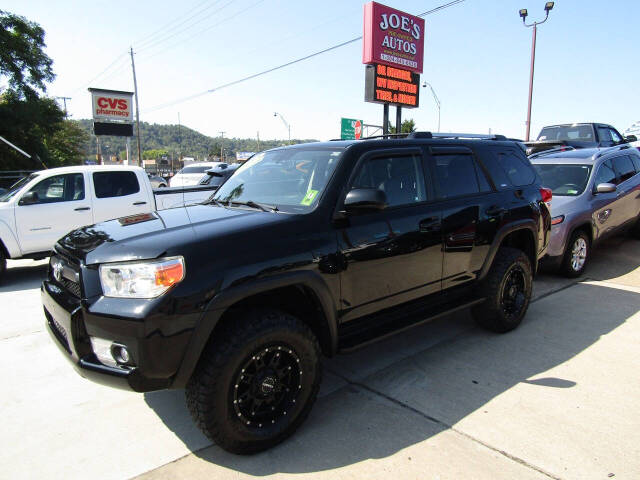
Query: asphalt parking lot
(557,398)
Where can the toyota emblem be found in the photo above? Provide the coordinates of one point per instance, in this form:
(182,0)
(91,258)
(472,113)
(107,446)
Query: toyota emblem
(57,270)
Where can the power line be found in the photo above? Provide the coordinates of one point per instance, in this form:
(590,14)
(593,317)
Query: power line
(250,77)
(118,58)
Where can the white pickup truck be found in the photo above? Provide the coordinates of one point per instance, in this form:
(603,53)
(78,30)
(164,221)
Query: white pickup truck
(43,207)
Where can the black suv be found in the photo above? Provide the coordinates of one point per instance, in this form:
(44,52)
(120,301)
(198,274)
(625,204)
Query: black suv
(306,250)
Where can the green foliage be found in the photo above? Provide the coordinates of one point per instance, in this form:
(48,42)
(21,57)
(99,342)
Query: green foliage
(407,126)
(64,147)
(177,141)
(155,153)
(22,57)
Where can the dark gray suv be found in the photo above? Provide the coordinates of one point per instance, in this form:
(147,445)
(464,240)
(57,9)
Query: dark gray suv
(595,195)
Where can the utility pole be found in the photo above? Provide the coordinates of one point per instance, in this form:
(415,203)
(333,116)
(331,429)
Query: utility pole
(64,100)
(222,147)
(135,91)
(258,134)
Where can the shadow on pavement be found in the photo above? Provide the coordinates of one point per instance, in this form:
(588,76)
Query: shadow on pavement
(23,276)
(418,388)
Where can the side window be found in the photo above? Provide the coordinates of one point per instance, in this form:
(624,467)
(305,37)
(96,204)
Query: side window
(605,174)
(482,179)
(636,162)
(604,134)
(489,159)
(624,167)
(115,184)
(455,175)
(519,173)
(614,136)
(59,188)
(400,177)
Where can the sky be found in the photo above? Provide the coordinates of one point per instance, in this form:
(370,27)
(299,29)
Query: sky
(477,58)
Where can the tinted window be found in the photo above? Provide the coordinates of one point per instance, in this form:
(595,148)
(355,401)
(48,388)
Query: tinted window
(490,161)
(581,133)
(482,179)
(399,177)
(605,174)
(115,184)
(566,179)
(624,167)
(59,188)
(604,134)
(517,170)
(455,175)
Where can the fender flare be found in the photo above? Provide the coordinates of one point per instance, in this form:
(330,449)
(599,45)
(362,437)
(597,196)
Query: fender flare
(221,302)
(501,234)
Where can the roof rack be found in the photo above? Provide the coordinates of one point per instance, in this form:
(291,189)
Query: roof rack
(475,136)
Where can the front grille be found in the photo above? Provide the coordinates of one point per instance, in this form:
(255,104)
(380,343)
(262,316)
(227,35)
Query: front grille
(58,330)
(72,287)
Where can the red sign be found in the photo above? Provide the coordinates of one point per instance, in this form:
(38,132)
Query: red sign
(111,105)
(358,129)
(392,38)
(391,85)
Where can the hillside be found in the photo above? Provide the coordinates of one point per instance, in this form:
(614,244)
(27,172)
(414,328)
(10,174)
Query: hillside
(176,140)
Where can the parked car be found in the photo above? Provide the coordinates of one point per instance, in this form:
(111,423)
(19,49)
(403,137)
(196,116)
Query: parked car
(595,195)
(576,135)
(219,174)
(305,250)
(157,181)
(191,174)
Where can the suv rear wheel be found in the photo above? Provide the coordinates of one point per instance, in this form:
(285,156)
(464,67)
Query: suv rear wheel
(256,383)
(576,255)
(507,289)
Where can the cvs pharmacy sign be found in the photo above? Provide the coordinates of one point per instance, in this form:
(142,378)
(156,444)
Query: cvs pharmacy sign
(111,105)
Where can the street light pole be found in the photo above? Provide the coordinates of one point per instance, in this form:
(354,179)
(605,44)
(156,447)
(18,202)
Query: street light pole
(523,14)
(276,114)
(435,97)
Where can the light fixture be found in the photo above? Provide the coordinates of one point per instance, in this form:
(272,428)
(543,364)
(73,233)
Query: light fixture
(548,6)
(524,13)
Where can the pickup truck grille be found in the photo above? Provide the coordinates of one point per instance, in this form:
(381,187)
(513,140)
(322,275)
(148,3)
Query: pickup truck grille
(72,287)
(58,331)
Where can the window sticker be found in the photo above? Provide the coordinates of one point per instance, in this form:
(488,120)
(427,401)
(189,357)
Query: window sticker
(309,198)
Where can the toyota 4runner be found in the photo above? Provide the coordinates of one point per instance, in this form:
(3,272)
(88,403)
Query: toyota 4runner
(306,250)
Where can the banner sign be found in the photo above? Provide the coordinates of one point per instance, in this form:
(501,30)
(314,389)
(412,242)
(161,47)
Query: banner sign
(391,85)
(111,105)
(350,129)
(392,38)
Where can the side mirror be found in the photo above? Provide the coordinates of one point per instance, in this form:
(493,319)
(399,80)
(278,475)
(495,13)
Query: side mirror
(630,138)
(360,199)
(606,188)
(29,198)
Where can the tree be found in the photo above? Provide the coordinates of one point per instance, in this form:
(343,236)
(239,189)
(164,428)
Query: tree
(407,126)
(22,57)
(64,146)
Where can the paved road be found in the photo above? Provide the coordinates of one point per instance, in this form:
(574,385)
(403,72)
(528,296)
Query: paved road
(557,398)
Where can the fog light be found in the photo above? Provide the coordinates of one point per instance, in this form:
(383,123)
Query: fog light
(120,353)
(102,348)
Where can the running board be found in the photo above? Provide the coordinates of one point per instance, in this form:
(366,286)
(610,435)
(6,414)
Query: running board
(363,332)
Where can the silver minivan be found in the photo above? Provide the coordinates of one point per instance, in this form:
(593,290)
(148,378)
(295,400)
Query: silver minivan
(596,193)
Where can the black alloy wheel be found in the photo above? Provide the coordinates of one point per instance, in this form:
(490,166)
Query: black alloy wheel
(513,297)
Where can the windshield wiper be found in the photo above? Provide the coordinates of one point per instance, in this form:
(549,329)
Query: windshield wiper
(260,206)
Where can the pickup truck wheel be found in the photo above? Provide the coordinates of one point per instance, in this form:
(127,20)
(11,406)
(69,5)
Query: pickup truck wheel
(507,289)
(576,255)
(256,382)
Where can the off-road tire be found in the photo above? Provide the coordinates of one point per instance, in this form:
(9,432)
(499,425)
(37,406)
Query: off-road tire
(210,391)
(492,314)
(566,267)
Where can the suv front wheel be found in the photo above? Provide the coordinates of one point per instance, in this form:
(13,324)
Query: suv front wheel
(256,381)
(507,291)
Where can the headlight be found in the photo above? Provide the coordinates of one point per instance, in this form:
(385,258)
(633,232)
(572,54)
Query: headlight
(147,279)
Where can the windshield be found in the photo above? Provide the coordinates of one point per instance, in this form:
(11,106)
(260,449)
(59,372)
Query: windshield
(202,169)
(290,179)
(15,188)
(570,133)
(564,180)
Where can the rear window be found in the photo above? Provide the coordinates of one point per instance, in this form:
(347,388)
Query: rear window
(195,169)
(579,133)
(507,168)
(115,184)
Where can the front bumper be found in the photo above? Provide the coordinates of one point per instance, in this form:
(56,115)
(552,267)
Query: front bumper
(71,324)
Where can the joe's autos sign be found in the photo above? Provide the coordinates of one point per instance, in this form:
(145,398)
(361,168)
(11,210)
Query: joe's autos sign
(111,105)
(392,38)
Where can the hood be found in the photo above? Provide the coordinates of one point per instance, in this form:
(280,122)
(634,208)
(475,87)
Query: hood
(151,235)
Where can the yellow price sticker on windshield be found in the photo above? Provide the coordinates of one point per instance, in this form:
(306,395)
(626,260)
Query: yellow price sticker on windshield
(309,198)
